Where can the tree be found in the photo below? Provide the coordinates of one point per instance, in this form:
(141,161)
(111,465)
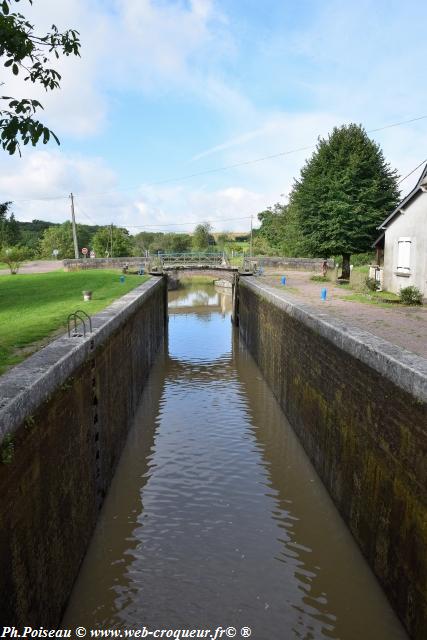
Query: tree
(177,242)
(4,209)
(144,239)
(31,233)
(24,50)
(14,257)
(112,241)
(222,240)
(280,231)
(261,247)
(202,237)
(345,190)
(60,238)
(272,225)
(10,234)
(13,231)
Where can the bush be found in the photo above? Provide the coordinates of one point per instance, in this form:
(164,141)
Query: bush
(14,257)
(372,284)
(319,278)
(359,259)
(411,295)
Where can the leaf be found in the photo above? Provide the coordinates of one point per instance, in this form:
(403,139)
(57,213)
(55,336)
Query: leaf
(15,69)
(5,8)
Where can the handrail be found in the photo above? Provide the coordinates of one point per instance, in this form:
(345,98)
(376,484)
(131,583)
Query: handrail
(87,316)
(81,315)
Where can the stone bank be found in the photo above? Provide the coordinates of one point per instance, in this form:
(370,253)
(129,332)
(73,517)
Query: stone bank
(64,417)
(359,407)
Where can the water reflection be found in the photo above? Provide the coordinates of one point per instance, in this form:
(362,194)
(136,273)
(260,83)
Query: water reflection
(215,515)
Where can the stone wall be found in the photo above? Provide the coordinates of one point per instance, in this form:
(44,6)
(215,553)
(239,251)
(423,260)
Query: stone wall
(103,263)
(299,264)
(359,407)
(64,418)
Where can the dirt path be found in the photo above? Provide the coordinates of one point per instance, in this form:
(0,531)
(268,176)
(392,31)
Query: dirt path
(38,266)
(404,326)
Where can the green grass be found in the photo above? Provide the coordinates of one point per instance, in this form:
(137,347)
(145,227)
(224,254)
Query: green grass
(316,278)
(381,298)
(363,269)
(3,265)
(35,307)
(237,246)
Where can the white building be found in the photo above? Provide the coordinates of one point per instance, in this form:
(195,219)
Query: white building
(402,247)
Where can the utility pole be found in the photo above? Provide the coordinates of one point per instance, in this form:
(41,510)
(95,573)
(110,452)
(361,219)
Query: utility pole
(111,229)
(73,223)
(250,250)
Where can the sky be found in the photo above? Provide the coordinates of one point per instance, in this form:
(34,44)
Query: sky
(168,91)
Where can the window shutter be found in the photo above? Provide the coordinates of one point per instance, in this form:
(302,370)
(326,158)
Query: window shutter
(404,254)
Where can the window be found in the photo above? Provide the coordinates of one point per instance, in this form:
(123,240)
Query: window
(404,254)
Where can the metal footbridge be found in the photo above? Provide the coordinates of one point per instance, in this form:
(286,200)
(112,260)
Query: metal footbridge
(197,261)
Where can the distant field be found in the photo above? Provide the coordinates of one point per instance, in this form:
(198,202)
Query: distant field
(35,307)
(237,246)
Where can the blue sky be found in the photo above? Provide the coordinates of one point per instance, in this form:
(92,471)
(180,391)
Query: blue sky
(168,88)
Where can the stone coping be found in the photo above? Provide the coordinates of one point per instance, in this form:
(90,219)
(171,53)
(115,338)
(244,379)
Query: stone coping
(30,383)
(405,369)
(114,263)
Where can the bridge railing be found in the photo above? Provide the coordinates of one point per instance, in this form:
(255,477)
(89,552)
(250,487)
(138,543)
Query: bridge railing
(201,259)
(194,258)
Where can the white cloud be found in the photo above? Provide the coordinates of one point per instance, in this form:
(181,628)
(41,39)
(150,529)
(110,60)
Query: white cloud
(46,172)
(161,47)
(131,44)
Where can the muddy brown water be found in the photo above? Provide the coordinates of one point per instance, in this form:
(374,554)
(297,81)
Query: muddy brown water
(215,516)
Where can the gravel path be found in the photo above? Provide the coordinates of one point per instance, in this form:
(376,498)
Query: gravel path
(38,266)
(404,326)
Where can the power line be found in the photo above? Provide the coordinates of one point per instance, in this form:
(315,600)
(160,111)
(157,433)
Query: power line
(413,171)
(246,162)
(397,124)
(215,170)
(156,226)
(192,222)
(181,224)
(80,211)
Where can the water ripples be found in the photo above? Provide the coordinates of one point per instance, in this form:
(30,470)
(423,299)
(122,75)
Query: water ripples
(215,516)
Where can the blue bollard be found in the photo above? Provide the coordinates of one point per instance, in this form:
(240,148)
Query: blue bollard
(283,281)
(323,293)
(122,279)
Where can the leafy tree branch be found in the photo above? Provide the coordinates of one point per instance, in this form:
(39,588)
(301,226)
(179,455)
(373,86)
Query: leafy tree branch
(25,51)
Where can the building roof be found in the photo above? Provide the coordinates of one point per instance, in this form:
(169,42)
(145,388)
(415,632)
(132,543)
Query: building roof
(420,186)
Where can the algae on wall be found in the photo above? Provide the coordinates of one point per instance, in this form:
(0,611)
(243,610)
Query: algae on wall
(66,451)
(366,436)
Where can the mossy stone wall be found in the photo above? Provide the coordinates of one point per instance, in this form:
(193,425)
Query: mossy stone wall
(366,436)
(64,457)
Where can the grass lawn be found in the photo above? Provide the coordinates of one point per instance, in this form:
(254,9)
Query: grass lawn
(362,268)
(378,298)
(35,307)
(236,261)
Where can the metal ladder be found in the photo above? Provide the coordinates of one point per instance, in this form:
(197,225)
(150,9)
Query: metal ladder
(81,316)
